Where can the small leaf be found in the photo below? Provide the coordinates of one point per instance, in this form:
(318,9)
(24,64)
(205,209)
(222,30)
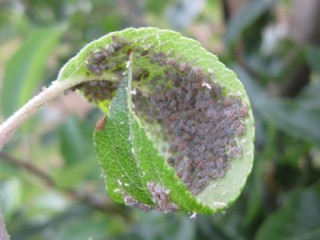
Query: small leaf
(178,131)
(299,218)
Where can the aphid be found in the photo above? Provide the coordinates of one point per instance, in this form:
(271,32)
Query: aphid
(110,50)
(173,117)
(169,94)
(130,201)
(102,83)
(144,53)
(202,148)
(171,62)
(196,85)
(182,66)
(66,92)
(200,166)
(129,51)
(219,163)
(115,43)
(227,102)
(240,130)
(93,83)
(100,124)
(213,173)
(182,146)
(98,57)
(244,111)
(92,68)
(197,70)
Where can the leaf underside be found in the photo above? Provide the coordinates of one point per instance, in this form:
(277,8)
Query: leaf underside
(132,148)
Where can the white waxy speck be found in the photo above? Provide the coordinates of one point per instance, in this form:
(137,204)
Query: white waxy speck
(193,216)
(119,182)
(126,185)
(207,85)
(128,64)
(219,204)
(134,91)
(116,190)
(121,123)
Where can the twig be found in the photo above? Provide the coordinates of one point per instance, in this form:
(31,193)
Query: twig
(3,231)
(91,200)
(55,89)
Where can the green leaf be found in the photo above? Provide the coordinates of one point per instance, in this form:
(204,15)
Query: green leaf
(313,56)
(299,218)
(26,68)
(144,156)
(74,143)
(297,117)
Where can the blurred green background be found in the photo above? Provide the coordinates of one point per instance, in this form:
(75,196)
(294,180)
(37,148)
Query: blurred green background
(50,182)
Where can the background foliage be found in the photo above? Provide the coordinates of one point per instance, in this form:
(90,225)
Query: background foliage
(50,184)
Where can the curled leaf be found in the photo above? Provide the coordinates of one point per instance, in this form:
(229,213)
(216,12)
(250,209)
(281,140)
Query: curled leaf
(179,129)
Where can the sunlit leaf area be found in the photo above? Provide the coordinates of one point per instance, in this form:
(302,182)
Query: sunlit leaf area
(54,171)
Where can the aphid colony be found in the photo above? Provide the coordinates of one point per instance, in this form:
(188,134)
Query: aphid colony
(200,123)
(160,198)
(107,58)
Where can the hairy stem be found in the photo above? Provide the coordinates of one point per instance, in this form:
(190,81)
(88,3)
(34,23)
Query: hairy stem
(55,89)
(3,231)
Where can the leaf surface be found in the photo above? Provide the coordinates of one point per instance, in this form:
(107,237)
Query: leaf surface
(133,147)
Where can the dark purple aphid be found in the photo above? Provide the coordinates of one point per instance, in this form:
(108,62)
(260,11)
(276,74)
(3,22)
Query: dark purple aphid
(182,67)
(244,111)
(171,62)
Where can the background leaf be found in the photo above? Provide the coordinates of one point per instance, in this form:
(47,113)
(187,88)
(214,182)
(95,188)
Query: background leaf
(245,18)
(26,68)
(299,218)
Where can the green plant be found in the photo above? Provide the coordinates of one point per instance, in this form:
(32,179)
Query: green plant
(178,131)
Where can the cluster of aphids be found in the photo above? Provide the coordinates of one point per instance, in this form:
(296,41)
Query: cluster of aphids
(108,58)
(201,123)
(160,198)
